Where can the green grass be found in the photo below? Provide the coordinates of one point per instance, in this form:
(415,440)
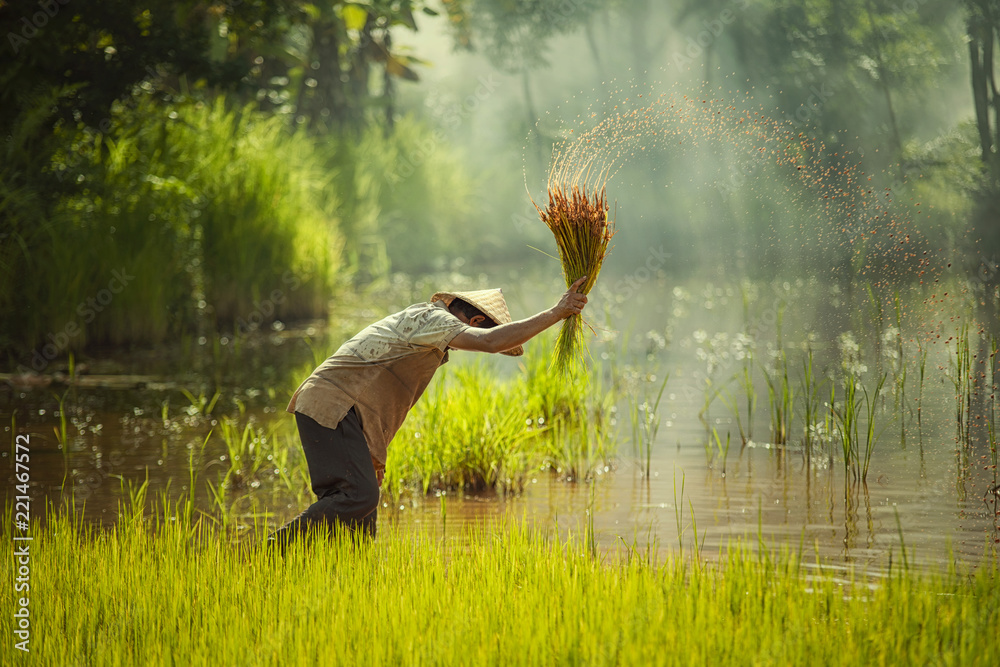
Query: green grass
(474,431)
(811,386)
(182,218)
(644,415)
(781,399)
(856,425)
(164,590)
(411,200)
(961,376)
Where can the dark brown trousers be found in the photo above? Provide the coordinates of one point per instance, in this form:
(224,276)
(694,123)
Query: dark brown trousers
(343,479)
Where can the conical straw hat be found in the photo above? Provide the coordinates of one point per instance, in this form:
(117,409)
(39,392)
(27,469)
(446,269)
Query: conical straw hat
(490,301)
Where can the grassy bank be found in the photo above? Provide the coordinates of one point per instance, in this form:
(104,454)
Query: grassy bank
(177,218)
(166,591)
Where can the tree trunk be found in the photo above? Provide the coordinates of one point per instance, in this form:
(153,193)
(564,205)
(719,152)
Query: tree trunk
(640,44)
(992,30)
(980,92)
(388,88)
(529,105)
(982,31)
(894,127)
(588,30)
(327,99)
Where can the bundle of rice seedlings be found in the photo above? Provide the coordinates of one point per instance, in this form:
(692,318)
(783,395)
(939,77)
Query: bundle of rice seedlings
(580,224)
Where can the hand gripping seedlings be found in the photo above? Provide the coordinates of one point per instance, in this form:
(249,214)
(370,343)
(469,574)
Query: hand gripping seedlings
(577,215)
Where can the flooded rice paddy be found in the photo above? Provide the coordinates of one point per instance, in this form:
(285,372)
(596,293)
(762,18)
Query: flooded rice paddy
(724,456)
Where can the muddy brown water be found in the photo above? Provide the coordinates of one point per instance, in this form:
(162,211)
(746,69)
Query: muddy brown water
(926,491)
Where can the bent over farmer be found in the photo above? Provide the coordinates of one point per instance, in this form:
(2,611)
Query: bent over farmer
(349,409)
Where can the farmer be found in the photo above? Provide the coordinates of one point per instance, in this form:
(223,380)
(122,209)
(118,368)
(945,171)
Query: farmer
(350,408)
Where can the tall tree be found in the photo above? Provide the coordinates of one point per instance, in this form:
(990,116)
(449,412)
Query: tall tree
(842,64)
(515,34)
(984,36)
(984,32)
(345,43)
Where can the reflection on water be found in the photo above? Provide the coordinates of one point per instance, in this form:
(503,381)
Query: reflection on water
(731,352)
(761,499)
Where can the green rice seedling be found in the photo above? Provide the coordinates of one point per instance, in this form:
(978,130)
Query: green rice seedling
(590,536)
(320,350)
(468,432)
(579,221)
(849,420)
(961,377)
(900,369)
(902,542)
(184,506)
(133,514)
(830,420)
(444,511)
(249,450)
(901,405)
(679,511)
(601,446)
(578,441)
(699,545)
(749,394)
(871,406)
(922,366)
(645,419)
(847,423)
(721,450)
(709,452)
(780,396)
(221,505)
(811,387)
(639,553)
(551,396)
(280,458)
(679,519)
(474,431)
(779,390)
(201,404)
(709,395)
(568,451)
(238,443)
(193,467)
(61,434)
(148,584)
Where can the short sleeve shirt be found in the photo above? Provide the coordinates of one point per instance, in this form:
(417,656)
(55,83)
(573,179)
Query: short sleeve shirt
(381,372)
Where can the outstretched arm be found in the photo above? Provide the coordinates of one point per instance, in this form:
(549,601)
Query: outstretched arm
(507,336)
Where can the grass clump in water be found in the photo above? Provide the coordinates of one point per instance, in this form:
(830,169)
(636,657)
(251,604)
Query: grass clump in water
(474,431)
